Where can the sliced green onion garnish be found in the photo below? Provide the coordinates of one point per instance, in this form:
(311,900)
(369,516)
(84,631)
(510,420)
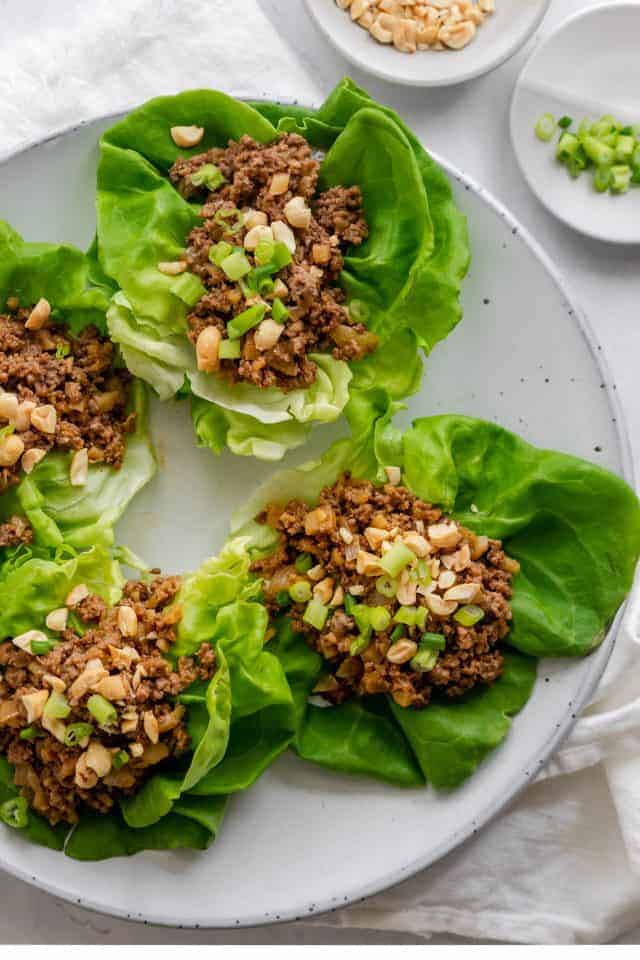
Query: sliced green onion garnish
(42,647)
(246,320)
(264,252)
(282,598)
(188,288)
(360,644)
(219,252)
(230,350)
(406,615)
(32,733)
(300,591)
(469,615)
(15,812)
(545,127)
(7,430)
(424,661)
(281,256)
(208,176)
(386,586)
(350,604)
(120,759)
(101,708)
(226,213)
(396,633)
(433,641)
(56,706)
(63,350)
(316,614)
(235,266)
(279,312)
(379,618)
(396,559)
(304,562)
(76,733)
(565,122)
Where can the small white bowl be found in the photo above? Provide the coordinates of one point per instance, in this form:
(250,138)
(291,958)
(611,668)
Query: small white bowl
(497,39)
(588,67)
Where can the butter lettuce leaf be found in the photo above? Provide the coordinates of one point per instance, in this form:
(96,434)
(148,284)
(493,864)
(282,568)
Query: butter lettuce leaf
(142,220)
(573,526)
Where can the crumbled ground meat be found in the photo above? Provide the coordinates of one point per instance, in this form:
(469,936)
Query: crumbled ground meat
(76,376)
(15,531)
(338,546)
(97,649)
(318,320)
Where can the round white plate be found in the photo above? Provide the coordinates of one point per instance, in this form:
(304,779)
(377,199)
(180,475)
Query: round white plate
(588,67)
(304,839)
(497,39)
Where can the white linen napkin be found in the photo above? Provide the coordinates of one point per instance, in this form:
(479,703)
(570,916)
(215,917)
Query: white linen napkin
(563,863)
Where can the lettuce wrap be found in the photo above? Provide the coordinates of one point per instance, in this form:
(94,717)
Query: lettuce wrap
(182,804)
(573,527)
(405,278)
(59,513)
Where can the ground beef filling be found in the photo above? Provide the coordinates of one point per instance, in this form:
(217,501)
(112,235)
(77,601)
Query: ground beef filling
(120,657)
(15,531)
(58,391)
(453,588)
(260,182)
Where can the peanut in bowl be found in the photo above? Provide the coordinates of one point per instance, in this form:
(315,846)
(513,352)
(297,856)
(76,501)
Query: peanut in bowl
(399,41)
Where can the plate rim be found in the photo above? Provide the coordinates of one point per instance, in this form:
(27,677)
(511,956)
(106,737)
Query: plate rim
(391,77)
(566,220)
(539,758)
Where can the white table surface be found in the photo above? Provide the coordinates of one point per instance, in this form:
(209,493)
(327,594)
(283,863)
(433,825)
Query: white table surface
(469,125)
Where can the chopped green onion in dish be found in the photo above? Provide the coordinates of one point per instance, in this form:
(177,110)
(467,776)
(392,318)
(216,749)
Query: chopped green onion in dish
(424,660)
(545,127)
(208,176)
(42,647)
(386,587)
(300,592)
(219,252)
(608,149)
(57,706)
(230,350)
(77,734)
(316,614)
(360,644)
(244,321)
(304,562)
(470,615)
(120,759)
(396,559)
(32,733)
(433,641)
(235,266)
(279,312)
(379,618)
(103,711)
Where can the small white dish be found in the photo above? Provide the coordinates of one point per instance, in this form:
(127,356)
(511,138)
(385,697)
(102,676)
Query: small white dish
(497,39)
(588,67)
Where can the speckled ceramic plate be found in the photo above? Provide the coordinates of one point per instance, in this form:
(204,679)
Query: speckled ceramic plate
(305,840)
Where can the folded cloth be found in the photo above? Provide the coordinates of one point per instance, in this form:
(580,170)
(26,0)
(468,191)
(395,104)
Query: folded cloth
(563,863)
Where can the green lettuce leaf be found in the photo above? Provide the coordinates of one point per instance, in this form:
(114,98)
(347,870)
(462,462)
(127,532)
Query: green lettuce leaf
(238,722)
(59,513)
(575,529)
(142,220)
